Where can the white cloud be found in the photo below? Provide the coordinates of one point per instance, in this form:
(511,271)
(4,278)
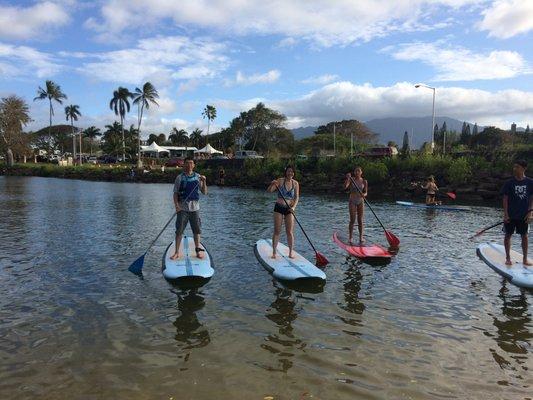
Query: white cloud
(30,22)
(320,21)
(508,18)
(461,64)
(242,79)
(321,80)
(344,100)
(22,61)
(160,59)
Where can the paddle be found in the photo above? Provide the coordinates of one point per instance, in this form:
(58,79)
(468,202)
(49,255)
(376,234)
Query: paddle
(391,238)
(321,260)
(137,266)
(492,226)
(451,195)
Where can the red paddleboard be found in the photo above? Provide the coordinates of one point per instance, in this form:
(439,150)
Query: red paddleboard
(365,252)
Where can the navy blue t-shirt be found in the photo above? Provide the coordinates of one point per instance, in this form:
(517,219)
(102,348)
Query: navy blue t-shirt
(519,193)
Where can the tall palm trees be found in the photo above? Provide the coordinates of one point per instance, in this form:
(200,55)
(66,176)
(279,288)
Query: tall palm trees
(72,112)
(143,97)
(196,136)
(14,115)
(92,133)
(210,112)
(121,105)
(51,92)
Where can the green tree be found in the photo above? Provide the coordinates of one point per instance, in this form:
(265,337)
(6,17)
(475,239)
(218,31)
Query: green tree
(120,104)
(527,131)
(474,130)
(72,113)
(14,115)
(92,133)
(196,137)
(210,112)
(179,137)
(52,91)
(406,149)
(143,98)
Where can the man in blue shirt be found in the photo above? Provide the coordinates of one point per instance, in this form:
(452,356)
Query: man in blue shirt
(517,207)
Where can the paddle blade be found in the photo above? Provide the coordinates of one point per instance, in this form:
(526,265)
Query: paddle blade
(321,260)
(137,266)
(451,195)
(392,239)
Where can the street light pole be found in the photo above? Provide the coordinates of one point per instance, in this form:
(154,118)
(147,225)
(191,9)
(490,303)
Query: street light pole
(433,115)
(334,144)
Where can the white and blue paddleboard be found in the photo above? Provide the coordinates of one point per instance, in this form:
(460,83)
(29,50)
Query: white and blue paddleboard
(433,207)
(494,256)
(188,265)
(285,268)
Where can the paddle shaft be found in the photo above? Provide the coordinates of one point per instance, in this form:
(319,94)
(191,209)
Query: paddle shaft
(366,202)
(495,225)
(296,219)
(170,220)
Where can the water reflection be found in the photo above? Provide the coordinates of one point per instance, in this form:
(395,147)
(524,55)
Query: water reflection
(190,332)
(352,303)
(283,344)
(512,333)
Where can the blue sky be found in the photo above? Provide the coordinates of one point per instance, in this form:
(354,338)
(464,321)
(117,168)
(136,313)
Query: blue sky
(314,60)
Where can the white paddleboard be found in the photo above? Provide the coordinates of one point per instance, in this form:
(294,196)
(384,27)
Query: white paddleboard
(283,267)
(188,265)
(494,256)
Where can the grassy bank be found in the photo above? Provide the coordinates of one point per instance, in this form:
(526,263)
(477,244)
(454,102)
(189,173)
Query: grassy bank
(470,176)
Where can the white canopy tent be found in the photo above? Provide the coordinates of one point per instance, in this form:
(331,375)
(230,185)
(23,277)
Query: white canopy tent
(154,148)
(208,149)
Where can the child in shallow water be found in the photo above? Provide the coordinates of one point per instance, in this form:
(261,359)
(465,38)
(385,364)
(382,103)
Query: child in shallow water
(432,189)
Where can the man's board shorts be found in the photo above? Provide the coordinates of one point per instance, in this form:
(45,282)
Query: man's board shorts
(519,225)
(184,217)
(283,210)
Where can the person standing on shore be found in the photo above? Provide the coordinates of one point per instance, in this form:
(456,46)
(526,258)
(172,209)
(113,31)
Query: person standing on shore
(288,188)
(187,188)
(356,202)
(517,205)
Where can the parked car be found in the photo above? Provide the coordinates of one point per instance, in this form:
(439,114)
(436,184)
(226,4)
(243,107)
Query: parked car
(240,154)
(174,162)
(106,160)
(92,160)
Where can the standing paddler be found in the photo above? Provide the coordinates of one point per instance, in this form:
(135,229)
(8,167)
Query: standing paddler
(187,188)
(517,201)
(356,203)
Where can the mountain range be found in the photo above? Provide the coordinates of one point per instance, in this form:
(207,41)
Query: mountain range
(392,129)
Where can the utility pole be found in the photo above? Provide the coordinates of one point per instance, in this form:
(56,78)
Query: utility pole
(334,143)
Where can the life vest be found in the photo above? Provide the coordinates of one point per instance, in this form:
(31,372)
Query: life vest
(189,187)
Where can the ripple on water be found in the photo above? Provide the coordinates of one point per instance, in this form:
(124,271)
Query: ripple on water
(434,323)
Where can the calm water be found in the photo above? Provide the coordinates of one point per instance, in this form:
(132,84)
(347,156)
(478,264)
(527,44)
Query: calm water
(74,324)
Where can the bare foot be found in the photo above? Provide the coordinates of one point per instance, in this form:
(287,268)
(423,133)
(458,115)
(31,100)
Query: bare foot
(361,240)
(273,256)
(175,256)
(291,256)
(199,255)
(527,263)
(508,262)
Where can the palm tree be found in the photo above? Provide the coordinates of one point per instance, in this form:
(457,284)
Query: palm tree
(92,133)
(72,112)
(179,136)
(143,97)
(14,115)
(210,112)
(121,105)
(52,92)
(196,136)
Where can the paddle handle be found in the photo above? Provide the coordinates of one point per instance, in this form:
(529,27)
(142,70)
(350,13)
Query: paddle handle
(296,219)
(366,202)
(493,226)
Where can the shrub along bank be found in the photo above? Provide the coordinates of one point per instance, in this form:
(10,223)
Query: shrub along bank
(473,177)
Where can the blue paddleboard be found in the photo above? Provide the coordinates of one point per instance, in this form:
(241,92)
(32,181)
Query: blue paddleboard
(441,207)
(517,273)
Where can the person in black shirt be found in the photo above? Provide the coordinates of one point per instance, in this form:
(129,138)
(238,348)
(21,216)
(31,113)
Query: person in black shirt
(517,207)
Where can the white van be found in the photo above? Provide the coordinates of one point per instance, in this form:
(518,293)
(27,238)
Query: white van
(247,154)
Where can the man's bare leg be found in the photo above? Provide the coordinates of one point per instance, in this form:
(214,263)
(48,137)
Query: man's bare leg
(177,254)
(197,246)
(507,245)
(524,249)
